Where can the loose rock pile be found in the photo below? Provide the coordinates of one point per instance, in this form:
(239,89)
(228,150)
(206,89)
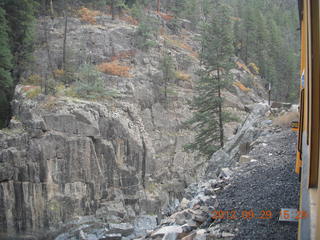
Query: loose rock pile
(262,179)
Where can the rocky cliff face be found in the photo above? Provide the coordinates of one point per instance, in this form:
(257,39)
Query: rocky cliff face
(68,161)
(64,157)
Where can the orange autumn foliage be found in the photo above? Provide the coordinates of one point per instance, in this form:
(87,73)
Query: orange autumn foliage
(88,15)
(243,67)
(165,16)
(241,86)
(180,44)
(129,19)
(114,68)
(124,55)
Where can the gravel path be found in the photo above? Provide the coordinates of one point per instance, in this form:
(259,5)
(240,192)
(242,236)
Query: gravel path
(268,184)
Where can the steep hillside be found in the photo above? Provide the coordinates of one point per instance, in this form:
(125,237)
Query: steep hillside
(65,155)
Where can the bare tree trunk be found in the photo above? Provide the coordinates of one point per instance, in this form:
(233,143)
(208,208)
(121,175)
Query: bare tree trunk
(113,10)
(51,9)
(220,111)
(158,5)
(46,35)
(64,41)
(246,56)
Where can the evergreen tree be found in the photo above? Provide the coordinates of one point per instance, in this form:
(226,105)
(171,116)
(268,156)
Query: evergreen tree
(208,117)
(20,17)
(166,65)
(6,82)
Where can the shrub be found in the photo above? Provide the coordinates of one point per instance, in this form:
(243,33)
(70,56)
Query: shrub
(129,19)
(285,120)
(33,79)
(254,68)
(182,76)
(90,84)
(58,72)
(34,92)
(242,66)
(241,86)
(88,15)
(146,31)
(114,68)
(165,16)
(124,55)
(180,44)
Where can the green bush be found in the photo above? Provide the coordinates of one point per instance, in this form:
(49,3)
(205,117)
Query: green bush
(89,84)
(146,31)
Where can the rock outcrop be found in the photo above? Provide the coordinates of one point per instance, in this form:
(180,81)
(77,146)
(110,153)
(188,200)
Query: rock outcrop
(70,160)
(63,158)
(233,149)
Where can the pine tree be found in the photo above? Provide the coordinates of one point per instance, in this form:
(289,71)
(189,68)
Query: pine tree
(20,17)
(166,65)
(6,82)
(217,49)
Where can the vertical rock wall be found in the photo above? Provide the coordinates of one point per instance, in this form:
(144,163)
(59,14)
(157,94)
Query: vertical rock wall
(65,163)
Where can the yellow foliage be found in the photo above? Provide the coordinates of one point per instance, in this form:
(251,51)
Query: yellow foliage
(182,76)
(58,72)
(243,67)
(254,68)
(241,86)
(88,15)
(235,19)
(114,68)
(33,79)
(70,92)
(33,92)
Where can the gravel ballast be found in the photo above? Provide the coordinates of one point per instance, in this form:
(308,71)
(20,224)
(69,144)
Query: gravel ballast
(266,183)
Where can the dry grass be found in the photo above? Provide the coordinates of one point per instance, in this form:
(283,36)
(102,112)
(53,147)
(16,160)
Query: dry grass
(285,120)
(124,55)
(27,88)
(31,91)
(88,15)
(114,68)
(33,79)
(241,86)
(235,19)
(129,19)
(182,45)
(50,103)
(164,16)
(58,72)
(182,76)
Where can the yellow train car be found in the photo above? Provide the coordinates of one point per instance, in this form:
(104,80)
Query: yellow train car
(307,163)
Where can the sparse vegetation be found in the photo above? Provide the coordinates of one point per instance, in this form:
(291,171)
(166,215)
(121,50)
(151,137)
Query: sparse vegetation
(241,86)
(32,91)
(33,79)
(88,15)
(90,84)
(182,76)
(146,31)
(124,55)
(114,68)
(180,44)
(285,119)
(167,67)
